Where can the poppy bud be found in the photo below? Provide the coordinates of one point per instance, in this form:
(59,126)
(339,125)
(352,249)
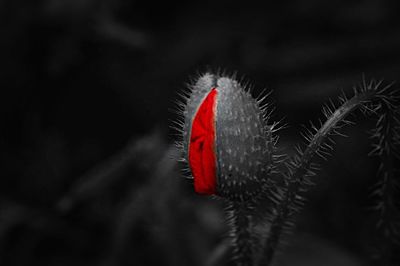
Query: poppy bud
(225,139)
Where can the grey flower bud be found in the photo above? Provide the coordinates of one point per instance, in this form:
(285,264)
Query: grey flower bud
(225,139)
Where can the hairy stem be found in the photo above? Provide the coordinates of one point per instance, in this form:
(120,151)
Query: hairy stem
(241,233)
(301,165)
(387,139)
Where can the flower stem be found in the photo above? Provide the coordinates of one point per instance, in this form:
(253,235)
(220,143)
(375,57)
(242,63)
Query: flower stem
(300,168)
(241,232)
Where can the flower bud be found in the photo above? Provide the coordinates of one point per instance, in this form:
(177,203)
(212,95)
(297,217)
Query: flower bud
(225,139)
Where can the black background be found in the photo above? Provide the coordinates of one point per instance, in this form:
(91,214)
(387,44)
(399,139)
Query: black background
(81,80)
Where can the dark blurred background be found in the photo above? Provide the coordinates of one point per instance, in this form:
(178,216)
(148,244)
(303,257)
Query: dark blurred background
(86,86)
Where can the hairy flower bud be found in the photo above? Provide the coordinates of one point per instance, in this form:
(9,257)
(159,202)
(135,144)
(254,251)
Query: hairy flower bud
(225,139)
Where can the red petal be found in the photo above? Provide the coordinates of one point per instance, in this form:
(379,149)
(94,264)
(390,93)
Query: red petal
(202,159)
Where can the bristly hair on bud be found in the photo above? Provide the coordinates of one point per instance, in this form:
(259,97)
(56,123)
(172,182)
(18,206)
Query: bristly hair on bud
(226,142)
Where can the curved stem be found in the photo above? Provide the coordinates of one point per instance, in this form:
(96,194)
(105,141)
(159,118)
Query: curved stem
(299,168)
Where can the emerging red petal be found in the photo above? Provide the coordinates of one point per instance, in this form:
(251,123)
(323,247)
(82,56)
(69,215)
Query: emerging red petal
(202,157)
